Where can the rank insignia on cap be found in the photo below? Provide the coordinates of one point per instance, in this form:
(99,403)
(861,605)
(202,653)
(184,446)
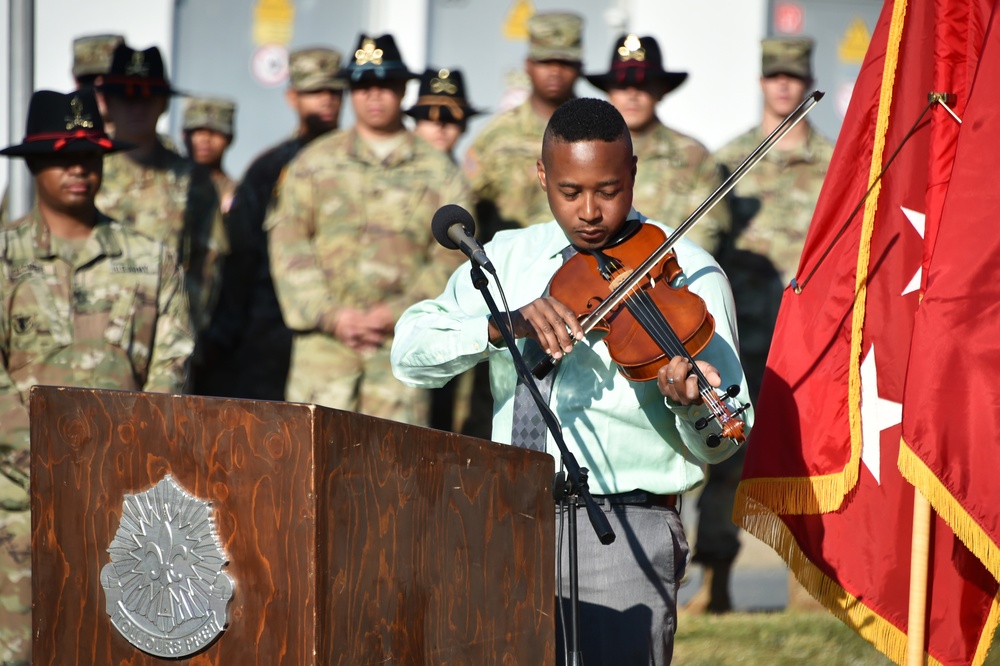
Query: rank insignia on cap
(441,84)
(631,49)
(368,53)
(78,119)
(137,66)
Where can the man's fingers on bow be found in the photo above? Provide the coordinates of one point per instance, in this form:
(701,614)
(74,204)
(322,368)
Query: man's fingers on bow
(552,324)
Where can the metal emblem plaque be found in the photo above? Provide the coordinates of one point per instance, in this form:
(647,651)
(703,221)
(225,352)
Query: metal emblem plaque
(165,588)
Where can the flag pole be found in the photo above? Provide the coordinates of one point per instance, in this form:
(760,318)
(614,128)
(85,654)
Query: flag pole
(919,557)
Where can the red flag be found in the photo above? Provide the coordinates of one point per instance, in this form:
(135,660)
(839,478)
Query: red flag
(821,482)
(949,446)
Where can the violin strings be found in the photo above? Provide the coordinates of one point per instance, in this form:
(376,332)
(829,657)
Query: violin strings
(642,307)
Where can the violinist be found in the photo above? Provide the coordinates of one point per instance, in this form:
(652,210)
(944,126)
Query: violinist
(639,440)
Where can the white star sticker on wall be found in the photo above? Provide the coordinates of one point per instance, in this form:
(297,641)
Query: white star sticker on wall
(918,220)
(877,414)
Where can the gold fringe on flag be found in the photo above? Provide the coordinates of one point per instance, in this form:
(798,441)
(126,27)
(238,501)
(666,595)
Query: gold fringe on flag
(769,528)
(883,635)
(951,510)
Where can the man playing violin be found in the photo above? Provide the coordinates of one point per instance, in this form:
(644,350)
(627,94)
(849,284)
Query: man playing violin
(640,440)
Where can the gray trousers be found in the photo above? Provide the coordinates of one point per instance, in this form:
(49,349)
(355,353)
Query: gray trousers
(628,590)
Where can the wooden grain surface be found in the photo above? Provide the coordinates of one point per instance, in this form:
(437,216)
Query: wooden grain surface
(440,548)
(351,540)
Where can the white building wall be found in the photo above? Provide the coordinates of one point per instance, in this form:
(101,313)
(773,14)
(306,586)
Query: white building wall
(718,43)
(406,21)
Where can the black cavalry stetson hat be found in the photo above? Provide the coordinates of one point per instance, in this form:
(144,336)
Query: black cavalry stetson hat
(376,58)
(59,124)
(442,98)
(136,73)
(636,61)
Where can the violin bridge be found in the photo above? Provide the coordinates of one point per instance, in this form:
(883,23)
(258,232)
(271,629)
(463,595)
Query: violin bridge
(618,279)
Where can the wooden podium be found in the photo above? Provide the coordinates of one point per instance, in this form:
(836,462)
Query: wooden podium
(347,539)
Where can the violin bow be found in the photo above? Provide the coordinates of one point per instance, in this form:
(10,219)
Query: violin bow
(625,287)
(629,283)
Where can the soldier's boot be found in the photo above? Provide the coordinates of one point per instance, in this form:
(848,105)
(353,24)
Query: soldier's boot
(712,595)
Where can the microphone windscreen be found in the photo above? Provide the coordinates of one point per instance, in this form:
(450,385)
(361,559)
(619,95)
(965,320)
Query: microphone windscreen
(447,216)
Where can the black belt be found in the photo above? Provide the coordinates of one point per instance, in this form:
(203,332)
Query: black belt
(638,498)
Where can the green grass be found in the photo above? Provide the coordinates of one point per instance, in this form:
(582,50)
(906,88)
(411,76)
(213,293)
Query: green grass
(776,639)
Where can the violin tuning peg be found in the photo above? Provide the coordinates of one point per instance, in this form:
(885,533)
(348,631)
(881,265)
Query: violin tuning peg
(744,407)
(701,423)
(713,441)
(733,391)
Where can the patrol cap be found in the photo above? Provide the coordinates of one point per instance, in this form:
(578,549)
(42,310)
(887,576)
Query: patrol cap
(636,61)
(136,73)
(442,98)
(92,54)
(315,69)
(377,59)
(209,113)
(787,55)
(555,36)
(64,123)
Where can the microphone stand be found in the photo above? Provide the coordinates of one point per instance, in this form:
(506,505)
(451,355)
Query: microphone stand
(572,487)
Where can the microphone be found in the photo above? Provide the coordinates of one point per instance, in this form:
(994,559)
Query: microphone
(454,228)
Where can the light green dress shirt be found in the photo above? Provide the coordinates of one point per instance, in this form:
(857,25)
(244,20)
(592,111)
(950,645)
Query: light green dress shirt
(626,433)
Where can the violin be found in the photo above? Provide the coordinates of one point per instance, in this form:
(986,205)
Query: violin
(652,323)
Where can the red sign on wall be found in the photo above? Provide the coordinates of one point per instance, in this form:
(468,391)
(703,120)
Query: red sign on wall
(789,18)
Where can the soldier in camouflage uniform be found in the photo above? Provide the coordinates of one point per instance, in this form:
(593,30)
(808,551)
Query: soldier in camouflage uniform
(351,244)
(248,343)
(152,188)
(208,132)
(771,210)
(675,172)
(86,302)
(501,164)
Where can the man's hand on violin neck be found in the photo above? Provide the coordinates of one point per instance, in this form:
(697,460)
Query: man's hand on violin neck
(550,323)
(678,382)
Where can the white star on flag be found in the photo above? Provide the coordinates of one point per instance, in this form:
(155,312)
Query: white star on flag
(918,222)
(877,414)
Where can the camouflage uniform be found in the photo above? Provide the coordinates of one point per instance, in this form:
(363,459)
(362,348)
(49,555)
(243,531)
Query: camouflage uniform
(502,168)
(110,314)
(351,230)
(675,173)
(176,203)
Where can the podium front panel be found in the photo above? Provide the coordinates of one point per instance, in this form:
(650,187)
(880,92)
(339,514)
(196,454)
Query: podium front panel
(350,540)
